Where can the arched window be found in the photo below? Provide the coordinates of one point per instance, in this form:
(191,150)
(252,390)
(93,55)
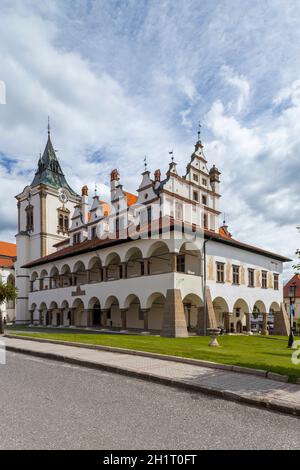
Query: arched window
(29,218)
(66,222)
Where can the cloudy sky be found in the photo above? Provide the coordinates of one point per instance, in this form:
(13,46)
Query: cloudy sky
(121,79)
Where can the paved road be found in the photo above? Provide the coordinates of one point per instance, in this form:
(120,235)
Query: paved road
(51,405)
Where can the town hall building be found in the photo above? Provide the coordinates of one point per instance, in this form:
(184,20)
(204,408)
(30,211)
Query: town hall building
(155,262)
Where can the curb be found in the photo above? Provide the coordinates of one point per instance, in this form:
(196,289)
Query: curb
(271,405)
(183,360)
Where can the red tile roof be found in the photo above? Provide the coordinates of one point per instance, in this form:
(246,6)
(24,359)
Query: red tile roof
(131,199)
(296,279)
(8,249)
(6,262)
(158,226)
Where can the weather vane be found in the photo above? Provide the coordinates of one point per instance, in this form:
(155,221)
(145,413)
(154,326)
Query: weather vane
(145,162)
(96,189)
(48,126)
(172,153)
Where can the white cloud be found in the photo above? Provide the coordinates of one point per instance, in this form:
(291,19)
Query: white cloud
(242,86)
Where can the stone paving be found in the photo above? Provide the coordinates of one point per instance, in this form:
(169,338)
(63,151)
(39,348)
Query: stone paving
(236,386)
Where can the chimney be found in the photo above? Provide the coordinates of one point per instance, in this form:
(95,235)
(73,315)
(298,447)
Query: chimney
(84,204)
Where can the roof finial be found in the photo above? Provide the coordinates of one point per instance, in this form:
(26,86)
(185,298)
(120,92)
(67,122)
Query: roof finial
(172,153)
(145,162)
(224,219)
(199,131)
(48,126)
(96,190)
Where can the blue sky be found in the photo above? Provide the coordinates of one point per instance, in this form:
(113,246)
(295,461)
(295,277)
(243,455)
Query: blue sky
(121,79)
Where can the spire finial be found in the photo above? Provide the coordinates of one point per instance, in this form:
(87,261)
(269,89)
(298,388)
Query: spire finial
(48,126)
(224,217)
(199,131)
(96,189)
(145,162)
(172,153)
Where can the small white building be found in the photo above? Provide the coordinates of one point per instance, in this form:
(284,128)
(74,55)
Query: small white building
(154,262)
(8,252)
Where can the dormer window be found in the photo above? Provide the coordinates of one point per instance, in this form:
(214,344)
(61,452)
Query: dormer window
(195,177)
(76,238)
(204,182)
(29,218)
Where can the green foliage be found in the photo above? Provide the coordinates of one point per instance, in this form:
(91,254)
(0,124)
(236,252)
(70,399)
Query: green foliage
(7,292)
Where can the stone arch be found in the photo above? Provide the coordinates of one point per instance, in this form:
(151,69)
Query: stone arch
(274,307)
(10,304)
(44,280)
(113,266)
(95,269)
(156,305)
(134,313)
(79,313)
(221,309)
(113,312)
(65,313)
(65,276)
(95,311)
(159,258)
(191,304)
(44,314)
(135,262)
(260,306)
(240,320)
(79,273)
(189,258)
(54,277)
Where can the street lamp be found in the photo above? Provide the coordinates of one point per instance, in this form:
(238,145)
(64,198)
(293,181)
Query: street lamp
(292,297)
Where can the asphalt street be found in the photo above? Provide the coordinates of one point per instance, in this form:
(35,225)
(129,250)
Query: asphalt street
(51,405)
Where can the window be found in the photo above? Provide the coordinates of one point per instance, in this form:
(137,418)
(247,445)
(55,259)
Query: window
(196,196)
(220,272)
(76,238)
(141,314)
(264,279)
(204,200)
(195,177)
(237,312)
(235,275)
(276,281)
(178,211)
(61,222)
(94,233)
(149,214)
(29,218)
(204,182)
(250,277)
(205,221)
(181,263)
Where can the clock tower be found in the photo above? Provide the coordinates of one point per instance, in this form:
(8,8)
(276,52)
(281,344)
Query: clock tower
(44,209)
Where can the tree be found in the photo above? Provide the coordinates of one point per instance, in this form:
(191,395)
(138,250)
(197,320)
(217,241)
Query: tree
(7,292)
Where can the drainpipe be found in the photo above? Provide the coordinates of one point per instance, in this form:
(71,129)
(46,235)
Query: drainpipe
(204,284)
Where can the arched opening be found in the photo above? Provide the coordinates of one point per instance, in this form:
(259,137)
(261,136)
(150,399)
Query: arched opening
(44,314)
(191,304)
(113,312)
(66,317)
(79,274)
(257,315)
(189,259)
(134,314)
(221,311)
(54,278)
(94,306)
(65,276)
(135,262)
(113,267)
(34,285)
(159,258)
(55,315)
(95,270)
(44,280)
(240,317)
(156,305)
(79,313)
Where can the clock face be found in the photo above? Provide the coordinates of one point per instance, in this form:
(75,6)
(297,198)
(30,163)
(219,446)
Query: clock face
(63,196)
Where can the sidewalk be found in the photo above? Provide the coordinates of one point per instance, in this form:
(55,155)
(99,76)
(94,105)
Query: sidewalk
(250,389)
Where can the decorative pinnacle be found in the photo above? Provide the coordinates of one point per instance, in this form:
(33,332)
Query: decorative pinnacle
(145,162)
(48,126)
(172,153)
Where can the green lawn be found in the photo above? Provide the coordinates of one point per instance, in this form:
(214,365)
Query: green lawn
(268,353)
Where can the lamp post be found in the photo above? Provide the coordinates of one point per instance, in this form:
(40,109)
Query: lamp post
(292,297)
